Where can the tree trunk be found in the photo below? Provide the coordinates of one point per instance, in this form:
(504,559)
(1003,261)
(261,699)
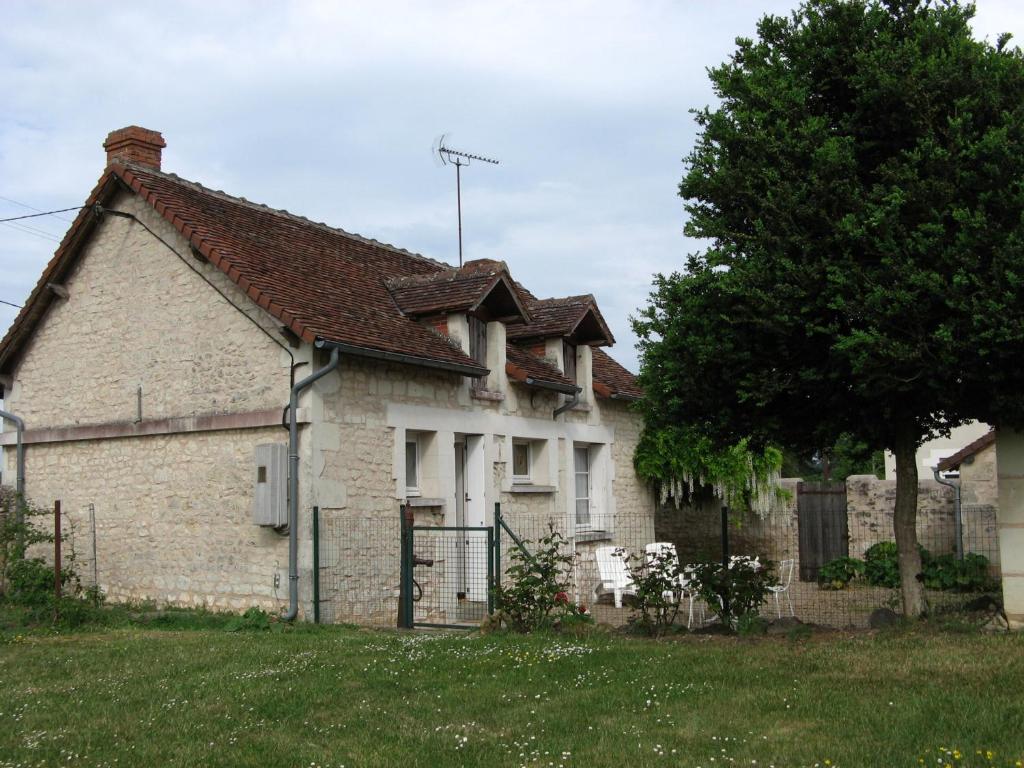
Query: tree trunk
(905,525)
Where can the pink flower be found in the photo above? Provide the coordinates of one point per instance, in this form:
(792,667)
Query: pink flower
(562,598)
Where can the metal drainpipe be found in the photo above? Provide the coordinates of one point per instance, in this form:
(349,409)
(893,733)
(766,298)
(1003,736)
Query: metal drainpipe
(293,483)
(957,513)
(570,403)
(20,456)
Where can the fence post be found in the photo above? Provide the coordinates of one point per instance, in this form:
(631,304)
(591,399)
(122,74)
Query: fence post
(725,560)
(497,544)
(405,607)
(56,548)
(316,565)
(490,571)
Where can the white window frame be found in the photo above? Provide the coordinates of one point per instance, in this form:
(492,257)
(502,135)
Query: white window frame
(528,477)
(588,525)
(413,490)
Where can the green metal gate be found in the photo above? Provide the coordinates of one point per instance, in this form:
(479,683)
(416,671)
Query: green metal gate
(447,574)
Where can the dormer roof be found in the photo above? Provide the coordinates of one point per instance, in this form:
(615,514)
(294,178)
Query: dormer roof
(478,287)
(575,318)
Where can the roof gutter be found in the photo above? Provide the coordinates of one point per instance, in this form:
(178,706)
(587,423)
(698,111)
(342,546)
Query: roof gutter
(570,403)
(554,386)
(625,398)
(293,483)
(398,357)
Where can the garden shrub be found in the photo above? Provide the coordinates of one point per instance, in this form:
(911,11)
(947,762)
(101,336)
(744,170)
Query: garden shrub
(938,572)
(743,585)
(253,620)
(881,565)
(30,582)
(945,572)
(539,588)
(838,573)
(658,594)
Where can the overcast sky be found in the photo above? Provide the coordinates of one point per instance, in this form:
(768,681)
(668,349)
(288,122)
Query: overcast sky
(329,110)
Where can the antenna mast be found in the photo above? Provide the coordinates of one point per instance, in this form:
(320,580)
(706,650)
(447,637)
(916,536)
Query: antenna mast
(454,157)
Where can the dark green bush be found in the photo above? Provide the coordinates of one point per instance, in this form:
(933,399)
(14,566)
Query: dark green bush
(881,565)
(30,582)
(253,620)
(939,572)
(945,572)
(838,573)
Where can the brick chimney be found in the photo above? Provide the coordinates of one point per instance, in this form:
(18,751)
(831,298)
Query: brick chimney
(135,145)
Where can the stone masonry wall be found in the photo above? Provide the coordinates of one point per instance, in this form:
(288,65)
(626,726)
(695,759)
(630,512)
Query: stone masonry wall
(173,516)
(138,316)
(696,530)
(172,511)
(870,504)
(353,448)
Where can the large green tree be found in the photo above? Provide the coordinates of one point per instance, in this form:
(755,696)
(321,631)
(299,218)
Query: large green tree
(860,188)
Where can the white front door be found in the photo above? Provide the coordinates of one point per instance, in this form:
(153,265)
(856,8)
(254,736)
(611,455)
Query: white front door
(470,511)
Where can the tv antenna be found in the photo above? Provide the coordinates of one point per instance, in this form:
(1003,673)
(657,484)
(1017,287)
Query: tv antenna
(449,156)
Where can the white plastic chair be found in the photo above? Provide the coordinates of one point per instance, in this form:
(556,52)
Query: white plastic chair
(786,568)
(662,548)
(613,574)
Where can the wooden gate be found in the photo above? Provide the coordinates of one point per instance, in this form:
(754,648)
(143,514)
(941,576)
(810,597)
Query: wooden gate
(824,533)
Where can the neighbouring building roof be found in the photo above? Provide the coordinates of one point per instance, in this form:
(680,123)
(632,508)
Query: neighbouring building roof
(958,458)
(323,283)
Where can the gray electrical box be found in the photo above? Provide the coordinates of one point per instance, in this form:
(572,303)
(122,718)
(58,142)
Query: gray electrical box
(270,495)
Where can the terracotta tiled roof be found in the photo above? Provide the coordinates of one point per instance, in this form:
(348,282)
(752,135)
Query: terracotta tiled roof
(954,461)
(523,367)
(567,317)
(612,380)
(324,283)
(318,281)
(455,290)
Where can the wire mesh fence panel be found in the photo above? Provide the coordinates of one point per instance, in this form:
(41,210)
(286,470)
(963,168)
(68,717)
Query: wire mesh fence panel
(452,570)
(78,529)
(835,559)
(359,567)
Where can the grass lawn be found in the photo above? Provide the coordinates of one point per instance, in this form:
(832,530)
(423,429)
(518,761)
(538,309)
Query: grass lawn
(348,697)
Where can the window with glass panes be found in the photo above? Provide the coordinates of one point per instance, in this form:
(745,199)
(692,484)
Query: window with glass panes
(520,462)
(581,459)
(412,467)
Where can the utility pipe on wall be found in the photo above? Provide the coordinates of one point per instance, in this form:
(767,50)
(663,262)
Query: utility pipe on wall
(20,457)
(958,521)
(572,402)
(293,482)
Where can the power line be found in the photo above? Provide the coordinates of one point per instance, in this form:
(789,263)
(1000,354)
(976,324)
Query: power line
(44,213)
(30,207)
(31,231)
(10,304)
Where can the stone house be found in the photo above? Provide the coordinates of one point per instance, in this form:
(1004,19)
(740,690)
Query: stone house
(177,329)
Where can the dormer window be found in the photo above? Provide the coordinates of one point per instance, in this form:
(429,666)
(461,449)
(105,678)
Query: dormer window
(569,361)
(478,347)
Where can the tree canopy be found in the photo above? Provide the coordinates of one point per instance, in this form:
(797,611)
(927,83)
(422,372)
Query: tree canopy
(860,188)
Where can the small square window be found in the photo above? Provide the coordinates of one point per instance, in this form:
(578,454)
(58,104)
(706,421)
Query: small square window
(261,474)
(521,462)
